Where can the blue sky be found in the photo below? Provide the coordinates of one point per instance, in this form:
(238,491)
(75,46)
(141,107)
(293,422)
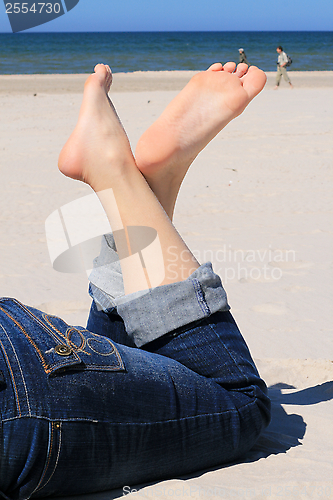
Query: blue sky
(189,15)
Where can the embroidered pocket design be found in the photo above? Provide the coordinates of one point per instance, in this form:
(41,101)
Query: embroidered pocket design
(59,346)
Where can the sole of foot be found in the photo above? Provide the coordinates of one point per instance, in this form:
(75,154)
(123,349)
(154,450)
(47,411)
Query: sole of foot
(98,147)
(200,111)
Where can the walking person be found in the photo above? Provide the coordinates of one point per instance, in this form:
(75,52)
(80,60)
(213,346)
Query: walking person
(242,56)
(282,63)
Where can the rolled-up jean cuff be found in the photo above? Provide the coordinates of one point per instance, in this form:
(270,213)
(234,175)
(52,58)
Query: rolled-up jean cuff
(150,315)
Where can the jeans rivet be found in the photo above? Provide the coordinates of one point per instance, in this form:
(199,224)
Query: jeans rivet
(63,350)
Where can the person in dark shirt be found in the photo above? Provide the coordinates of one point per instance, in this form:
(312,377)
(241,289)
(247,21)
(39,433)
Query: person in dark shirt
(242,56)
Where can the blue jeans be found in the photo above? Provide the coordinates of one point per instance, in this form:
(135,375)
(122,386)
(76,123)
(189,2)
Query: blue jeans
(86,410)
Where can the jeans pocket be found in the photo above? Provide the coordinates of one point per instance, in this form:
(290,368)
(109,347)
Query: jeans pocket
(81,349)
(29,456)
(57,345)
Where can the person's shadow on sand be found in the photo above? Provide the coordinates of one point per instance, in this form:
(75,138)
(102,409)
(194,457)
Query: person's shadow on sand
(284,432)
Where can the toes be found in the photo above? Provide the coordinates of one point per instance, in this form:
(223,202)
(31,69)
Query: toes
(99,68)
(215,67)
(229,67)
(102,69)
(104,72)
(241,70)
(254,81)
(109,76)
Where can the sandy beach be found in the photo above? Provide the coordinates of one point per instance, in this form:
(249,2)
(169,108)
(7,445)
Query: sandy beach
(138,81)
(257,202)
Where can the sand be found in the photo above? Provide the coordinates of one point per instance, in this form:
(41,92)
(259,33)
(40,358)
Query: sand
(256,202)
(137,81)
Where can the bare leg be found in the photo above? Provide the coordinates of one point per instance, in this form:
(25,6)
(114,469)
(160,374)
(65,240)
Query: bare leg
(98,153)
(204,107)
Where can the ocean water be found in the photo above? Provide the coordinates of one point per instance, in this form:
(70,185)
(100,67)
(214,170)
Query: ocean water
(28,53)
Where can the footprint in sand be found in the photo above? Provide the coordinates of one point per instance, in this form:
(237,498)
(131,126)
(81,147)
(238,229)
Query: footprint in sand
(299,373)
(270,308)
(65,307)
(297,288)
(298,264)
(73,312)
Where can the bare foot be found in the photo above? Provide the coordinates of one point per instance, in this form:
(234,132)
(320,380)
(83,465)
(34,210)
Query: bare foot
(204,107)
(98,148)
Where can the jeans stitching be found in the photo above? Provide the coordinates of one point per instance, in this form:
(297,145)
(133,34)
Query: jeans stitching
(95,421)
(229,353)
(50,332)
(42,417)
(57,459)
(21,371)
(38,487)
(48,320)
(45,317)
(45,365)
(79,348)
(200,297)
(13,380)
(48,458)
(66,338)
(86,341)
(100,353)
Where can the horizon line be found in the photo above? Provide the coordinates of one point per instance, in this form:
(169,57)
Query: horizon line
(29,32)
